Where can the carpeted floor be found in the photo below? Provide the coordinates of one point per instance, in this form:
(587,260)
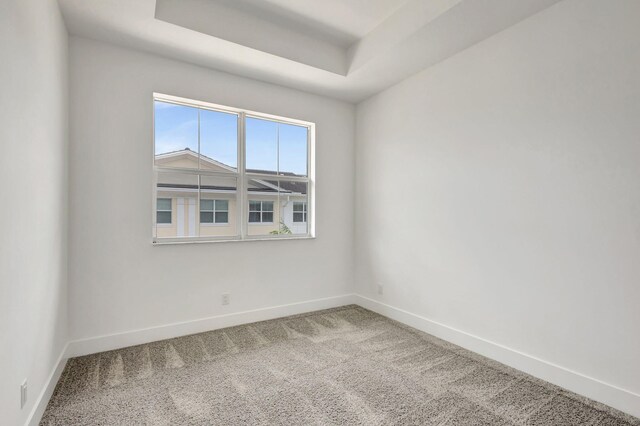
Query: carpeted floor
(345,366)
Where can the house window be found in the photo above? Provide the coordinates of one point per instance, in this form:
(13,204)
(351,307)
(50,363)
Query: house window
(261,211)
(216,165)
(299,212)
(214,211)
(163,210)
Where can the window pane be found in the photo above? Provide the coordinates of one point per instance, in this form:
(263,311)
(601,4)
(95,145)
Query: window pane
(182,189)
(261,145)
(218,140)
(163,217)
(163,203)
(263,197)
(293,202)
(206,205)
(292,149)
(222,217)
(216,191)
(176,135)
(279,198)
(206,217)
(222,205)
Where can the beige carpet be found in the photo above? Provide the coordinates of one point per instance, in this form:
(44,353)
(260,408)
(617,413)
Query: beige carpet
(345,366)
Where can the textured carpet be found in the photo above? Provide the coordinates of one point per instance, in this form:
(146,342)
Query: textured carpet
(345,366)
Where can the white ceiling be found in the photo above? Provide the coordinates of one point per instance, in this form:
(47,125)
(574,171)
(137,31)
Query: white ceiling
(347,49)
(353,19)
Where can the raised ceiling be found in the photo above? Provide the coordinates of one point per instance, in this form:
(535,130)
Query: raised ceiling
(347,49)
(348,20)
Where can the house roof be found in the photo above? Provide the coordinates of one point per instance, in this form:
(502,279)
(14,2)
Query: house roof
(255,185)
(167,157)
(284,185)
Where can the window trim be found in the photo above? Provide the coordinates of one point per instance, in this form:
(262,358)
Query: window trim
(242,195)
(165,224)
(261,211)
(214,211)
(303,212)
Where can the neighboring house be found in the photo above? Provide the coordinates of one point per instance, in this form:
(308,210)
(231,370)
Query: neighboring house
(271,203)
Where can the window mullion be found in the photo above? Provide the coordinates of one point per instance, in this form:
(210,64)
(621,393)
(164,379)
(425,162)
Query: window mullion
(242,209)
(197,212)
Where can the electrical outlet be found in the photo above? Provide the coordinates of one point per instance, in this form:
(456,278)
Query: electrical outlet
(380,289)
(226,298)
(23,394)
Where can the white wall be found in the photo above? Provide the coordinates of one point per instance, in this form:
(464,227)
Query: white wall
(515,163)
(118,280)
(499,191)
(33,186)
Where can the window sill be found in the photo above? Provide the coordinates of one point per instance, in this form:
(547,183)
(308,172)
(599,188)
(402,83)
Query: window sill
(166,241)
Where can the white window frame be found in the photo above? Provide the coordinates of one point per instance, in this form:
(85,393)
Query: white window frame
(261,211)
(303,212)
(165,224)
(214,211)
(242,177)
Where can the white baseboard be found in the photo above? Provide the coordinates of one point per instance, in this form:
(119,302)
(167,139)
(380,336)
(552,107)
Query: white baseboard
(595,389)
(138,337)
(45,395)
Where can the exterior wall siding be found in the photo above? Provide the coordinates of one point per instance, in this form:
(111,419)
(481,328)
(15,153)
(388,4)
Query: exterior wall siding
(190,216)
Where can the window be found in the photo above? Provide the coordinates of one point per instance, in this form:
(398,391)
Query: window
(261,211)
(163,210)
(214,211)
(223,173)
(299,212)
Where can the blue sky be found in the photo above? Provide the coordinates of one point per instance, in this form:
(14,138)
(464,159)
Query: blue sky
(176,128)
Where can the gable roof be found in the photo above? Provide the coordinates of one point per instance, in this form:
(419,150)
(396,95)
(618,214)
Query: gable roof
(255,185)
(190,155)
